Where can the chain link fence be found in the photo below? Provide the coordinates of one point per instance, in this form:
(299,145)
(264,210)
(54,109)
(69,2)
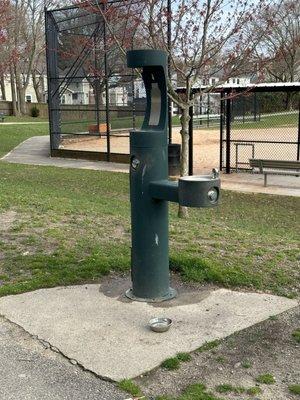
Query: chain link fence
(260,125)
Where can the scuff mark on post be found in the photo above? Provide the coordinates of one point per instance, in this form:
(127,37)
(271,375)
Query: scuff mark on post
(156,239)
(143,174)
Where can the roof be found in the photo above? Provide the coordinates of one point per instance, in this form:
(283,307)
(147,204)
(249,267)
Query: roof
(251,87)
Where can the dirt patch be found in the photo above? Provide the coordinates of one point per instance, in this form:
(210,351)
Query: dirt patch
(264,348)
(7,220)
(206,145)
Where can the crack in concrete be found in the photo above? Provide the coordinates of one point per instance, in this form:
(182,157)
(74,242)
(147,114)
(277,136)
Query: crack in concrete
(48,345)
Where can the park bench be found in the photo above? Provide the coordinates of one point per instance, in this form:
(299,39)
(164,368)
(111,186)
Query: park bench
(275,167)
(2,116)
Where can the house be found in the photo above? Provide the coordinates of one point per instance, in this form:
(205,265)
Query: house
(30,95)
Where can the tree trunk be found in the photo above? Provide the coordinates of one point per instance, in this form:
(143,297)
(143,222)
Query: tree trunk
(38,87)
(13,93)
(289,101)
(21,91)
(184,158)
(2,84)
(22,101)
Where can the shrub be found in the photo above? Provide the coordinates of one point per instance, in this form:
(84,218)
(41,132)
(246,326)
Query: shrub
(34,112)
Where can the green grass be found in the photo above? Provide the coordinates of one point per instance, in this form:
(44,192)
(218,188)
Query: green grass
(171,364)
(130,387)
(271,121)
(24,118)
(296,335)
(81,125)
(73,226)
(228,388)
(184,357)
(12,135)
(246,364)
(273,318)
(197,392)
(208,346)
(267,379)
(253,391)
(174,362)
(295,389)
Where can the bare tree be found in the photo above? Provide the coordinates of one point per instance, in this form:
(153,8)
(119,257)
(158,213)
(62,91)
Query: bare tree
(208,38)
(280,44)
(9,53)
(26,36)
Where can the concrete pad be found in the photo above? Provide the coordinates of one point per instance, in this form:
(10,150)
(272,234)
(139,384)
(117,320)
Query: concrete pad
(36,151)
(109,335)
(30,370)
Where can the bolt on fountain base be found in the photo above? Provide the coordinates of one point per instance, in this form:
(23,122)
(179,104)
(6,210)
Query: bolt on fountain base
(169,296)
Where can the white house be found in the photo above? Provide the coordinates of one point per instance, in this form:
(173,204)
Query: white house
(30,95)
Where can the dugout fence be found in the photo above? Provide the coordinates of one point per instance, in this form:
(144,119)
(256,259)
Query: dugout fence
(262,123)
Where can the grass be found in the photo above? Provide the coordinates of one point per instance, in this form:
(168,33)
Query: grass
(171,364)
(127,385)
(12,135)
(174,362)
(208,346)
(270,121)
(253,391)
(197,392)
(73,226)
(296,335)
(267,379)
(246,364)
(273,318)
(81,125)
(184,357)
(228,388)
(295,389)
(25,118)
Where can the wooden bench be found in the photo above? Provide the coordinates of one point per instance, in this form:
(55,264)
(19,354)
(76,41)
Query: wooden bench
(2,116)
(275,167)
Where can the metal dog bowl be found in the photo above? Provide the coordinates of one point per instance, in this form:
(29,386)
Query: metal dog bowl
(160,324)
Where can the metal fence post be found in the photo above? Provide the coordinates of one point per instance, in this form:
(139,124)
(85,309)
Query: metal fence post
(53,80)
(221,129)
(107,108)
(298,146)
(169,7)
(191,140)
(228,132)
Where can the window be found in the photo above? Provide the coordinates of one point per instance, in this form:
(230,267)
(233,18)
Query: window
(28,98)
(238,81)
(75,96)
(233,80)
(213,81)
